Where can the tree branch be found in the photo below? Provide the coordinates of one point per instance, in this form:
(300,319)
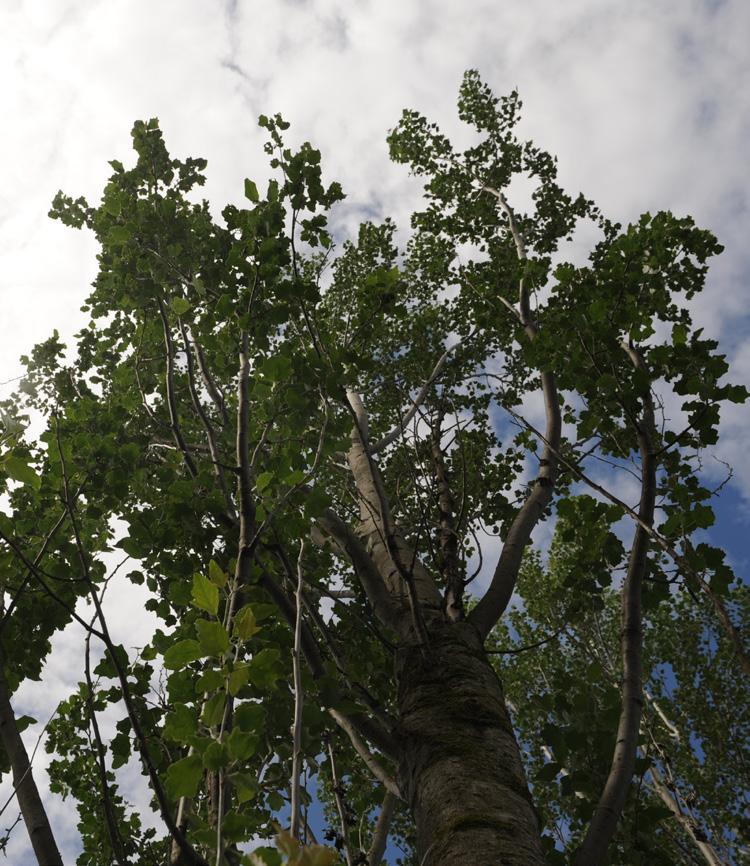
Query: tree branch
(298,701)
(730,629)
(190,855)
(398,430)
(375,589)
(171,401)
(492,604)
(360,747)
(612,799)
(380,835)
(205,421)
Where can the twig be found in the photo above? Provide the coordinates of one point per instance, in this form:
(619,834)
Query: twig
(340,806)
(298,702)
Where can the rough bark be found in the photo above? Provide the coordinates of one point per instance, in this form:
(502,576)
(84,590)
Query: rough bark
(29,801)
(460,767)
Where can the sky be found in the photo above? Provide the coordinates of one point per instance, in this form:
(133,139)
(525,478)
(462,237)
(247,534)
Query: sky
(646,104)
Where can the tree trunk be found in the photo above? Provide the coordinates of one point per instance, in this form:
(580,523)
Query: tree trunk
(460,767)
(29,801)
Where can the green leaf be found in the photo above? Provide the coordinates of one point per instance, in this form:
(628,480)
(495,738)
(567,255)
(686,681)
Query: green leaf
(242,744)
(212,636)
(119,235)
(215,757)
(238,678)
(251,190)
(184,776)
(205,594)
(180,306)
(263,480)
(210,680)
(216,574)
(244,623)
(245,785)
(679,334)
(213,709)
(23,722)
(264,668)
(250,717)
(19,470)
(181,654)
(181,724)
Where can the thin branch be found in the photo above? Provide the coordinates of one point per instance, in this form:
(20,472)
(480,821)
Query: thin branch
(380,835)
(115,840)
(492,604)
(360,747)
(340,806)
(190,855)
(214,392)
(171,400)
(205,421)
(528,646)
(399,429)
(298,703)
(612,799)
(30,571)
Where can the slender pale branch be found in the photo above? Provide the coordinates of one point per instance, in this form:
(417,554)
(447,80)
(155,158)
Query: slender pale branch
(113,831)
(360,747)
(189,854)
(730,629)
(492,604)
(380,835)
(375,589)
(612,799)
(213,390)
(205,420)
(171,400)
(340,806)
(399,428)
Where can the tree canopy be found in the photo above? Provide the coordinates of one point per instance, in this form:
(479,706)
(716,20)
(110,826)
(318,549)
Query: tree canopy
(322,458)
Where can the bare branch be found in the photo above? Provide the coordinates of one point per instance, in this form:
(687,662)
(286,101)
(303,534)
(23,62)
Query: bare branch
(205,420)
(398,430)
(360,747)
(298,702)
(612,799)
(380,835)
(495,600)
(377,593)
(340,806)
(171,400)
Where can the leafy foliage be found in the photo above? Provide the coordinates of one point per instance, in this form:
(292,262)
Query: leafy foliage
(202,424)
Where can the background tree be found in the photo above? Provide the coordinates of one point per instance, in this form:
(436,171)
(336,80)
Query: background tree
(300,449)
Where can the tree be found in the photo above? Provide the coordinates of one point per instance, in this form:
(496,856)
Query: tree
(299,449)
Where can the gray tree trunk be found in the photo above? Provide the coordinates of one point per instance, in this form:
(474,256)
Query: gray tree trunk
(460,767)
(29,801)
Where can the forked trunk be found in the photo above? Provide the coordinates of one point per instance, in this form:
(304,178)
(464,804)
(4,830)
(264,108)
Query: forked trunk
(460,766)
